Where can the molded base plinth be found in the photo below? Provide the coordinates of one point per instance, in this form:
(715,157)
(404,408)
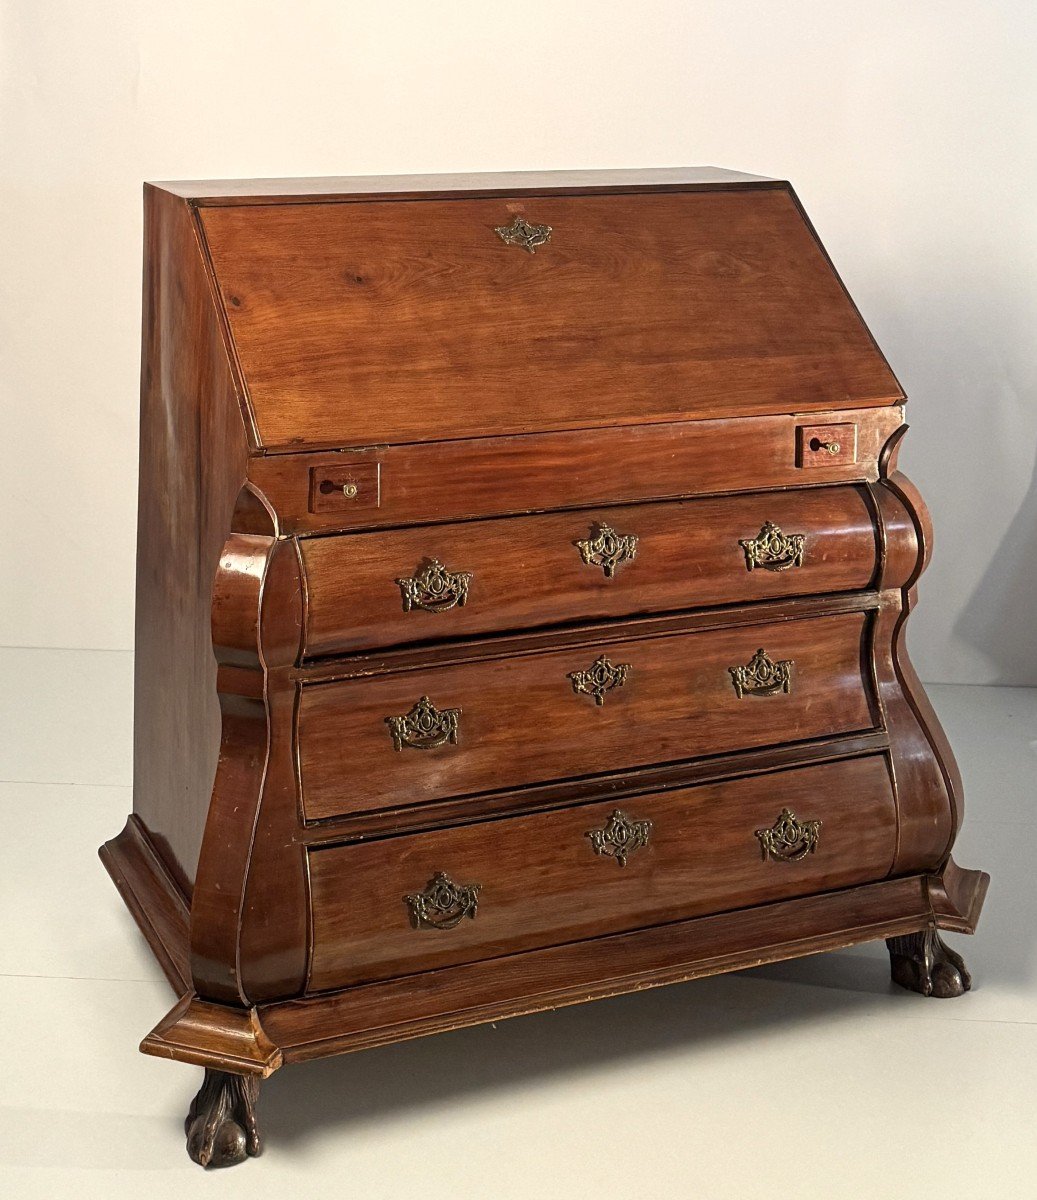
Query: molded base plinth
(239,1046)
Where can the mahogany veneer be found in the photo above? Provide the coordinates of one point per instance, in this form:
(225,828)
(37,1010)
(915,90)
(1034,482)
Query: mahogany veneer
(678,702)
(526,574)
(522,576)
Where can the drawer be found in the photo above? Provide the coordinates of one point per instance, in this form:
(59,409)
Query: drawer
(469,478)
(412,736)
(443,581)
(363,323)
(413,903)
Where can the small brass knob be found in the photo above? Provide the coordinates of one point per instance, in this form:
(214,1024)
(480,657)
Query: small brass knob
(349,490)
(831,447)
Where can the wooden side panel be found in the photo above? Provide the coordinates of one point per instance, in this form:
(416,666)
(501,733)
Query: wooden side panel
(531,571)
(520,721)
(366,323)
(541,882)
(192,464)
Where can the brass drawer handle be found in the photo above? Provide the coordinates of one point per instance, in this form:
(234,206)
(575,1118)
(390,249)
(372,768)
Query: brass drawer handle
(443,904)
(425,727)
(600,677)
(773,550)
(606,548)
(434,588)
(620,837)
(789,840)
(817,444)
(762,676)
(522,233)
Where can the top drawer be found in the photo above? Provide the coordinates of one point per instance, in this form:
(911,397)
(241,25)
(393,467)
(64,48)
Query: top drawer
(374,322)
(445,581)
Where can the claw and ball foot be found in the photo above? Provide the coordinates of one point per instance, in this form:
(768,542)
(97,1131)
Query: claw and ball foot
(221,1124)
(923,962)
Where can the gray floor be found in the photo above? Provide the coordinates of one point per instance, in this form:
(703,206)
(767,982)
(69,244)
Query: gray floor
(812,1078)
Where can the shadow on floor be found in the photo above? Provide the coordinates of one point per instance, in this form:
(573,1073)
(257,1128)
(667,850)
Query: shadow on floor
(364,1089)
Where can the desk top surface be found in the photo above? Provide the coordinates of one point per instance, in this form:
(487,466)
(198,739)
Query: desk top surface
(326,188)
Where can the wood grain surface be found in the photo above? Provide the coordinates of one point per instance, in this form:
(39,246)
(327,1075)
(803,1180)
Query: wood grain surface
(192,463)
(344,380)
(521,722)
(413,321)
(529,571)
(542,883)
(462,479)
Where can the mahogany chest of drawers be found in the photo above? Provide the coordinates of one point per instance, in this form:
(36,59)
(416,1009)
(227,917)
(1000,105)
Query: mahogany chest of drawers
(522,576)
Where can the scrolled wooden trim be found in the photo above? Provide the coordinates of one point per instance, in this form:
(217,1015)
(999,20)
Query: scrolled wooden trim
(246,941)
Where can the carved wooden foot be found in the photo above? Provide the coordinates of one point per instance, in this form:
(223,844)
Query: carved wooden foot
(923,962)
(221,1124)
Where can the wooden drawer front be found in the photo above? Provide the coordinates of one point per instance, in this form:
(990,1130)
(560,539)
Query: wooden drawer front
(413,321)
(540,881)
(529,571)
(487,477)
(514,721)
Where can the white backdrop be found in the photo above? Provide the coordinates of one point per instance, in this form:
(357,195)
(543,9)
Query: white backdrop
(909,130)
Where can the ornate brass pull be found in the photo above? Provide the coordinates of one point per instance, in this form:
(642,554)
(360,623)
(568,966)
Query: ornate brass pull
(425,727)
(761,676)
(620,837)
(600,677)
(773,550)
(789,840)
(443,904)
(434,588)
(521,233)
(606,548)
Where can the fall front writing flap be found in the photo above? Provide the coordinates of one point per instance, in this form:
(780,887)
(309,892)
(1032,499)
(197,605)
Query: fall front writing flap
(366,322)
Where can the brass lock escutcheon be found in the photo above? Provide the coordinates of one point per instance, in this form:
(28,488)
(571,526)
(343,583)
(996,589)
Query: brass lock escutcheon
(600,677)
(762,676)
(443,904)
(773,550)
(789,840)
(524,233)
(425,727)
(620,837)
(606,548)
(435,589)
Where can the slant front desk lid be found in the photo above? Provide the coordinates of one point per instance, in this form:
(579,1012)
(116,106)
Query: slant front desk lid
(396,315)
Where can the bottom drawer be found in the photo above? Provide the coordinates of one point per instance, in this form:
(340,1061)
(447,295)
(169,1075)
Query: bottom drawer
(420,901)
